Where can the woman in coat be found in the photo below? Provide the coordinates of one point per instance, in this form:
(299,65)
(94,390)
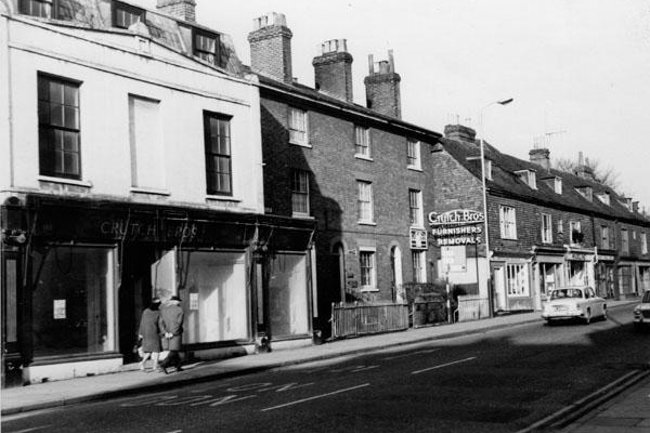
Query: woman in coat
(149,333)
(171,329)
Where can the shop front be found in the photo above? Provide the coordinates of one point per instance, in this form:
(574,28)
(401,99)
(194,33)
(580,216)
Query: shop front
(627,284)
(580,267)
(76,286)
(548,273)
(511,276)
(605,274)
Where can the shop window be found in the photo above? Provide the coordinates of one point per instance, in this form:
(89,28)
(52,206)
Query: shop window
(419,266)
(288,300)
(547,228)
(214,297)
(298,126)
(365,202)
(413,154)
(368,271)
(147,150)
(218,157)
(10,303)
(124,15)
(206,46)
(58,127)
(73,301)
(415,208)
(517,279)
(508,222)
(300,193)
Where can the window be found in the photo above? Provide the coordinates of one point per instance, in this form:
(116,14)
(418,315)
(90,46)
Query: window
(206,46)
(36,8)
(367,267)
(217,153)
(517,279)
(605,240)
(488,169)
(604,197)
(413,153)
(560,227)
(365,202)
(362,141)
(625,241)
(586,191)
(644,243)
(547,228)
(508,222)
(575,229)
(58,127)
(298,126)
(147,151)
(124,16)
(558,185)
(300,192)
(415,207)
(528,177)
(419,266)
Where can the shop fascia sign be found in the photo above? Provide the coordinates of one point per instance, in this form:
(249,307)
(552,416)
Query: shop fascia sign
(457,227)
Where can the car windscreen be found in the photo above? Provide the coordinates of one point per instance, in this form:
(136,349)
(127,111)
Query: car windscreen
(566,293)
(646,297)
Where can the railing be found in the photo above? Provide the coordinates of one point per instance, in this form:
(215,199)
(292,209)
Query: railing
(426,313)
(471,307)
(361,319)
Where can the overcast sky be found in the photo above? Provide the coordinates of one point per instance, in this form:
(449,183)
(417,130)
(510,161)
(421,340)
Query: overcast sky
(579,70)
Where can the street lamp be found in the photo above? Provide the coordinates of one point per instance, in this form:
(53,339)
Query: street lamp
(484,191)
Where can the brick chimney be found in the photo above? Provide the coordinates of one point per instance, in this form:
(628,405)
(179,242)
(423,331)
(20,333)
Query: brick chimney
(583,169)
(333,69)
(460,133)
(270,43)
(382,87)
(182,9)
(541,157)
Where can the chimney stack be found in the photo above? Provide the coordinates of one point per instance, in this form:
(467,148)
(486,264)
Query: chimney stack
(460,133)
(182,9)
(270,44)
(541,157)
(383,88)
(583,169)
(333,69)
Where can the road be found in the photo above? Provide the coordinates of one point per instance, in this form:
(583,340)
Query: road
(499,381)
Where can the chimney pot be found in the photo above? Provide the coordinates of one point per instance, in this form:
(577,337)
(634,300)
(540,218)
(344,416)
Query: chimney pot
(541,157)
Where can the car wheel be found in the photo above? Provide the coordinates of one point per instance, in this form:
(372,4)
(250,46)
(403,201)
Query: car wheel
(588,317)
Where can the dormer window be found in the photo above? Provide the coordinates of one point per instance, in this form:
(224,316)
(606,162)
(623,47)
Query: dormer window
(557,185)
(488,165)
(528,177)
(604,197)
(586,192)
(124,16)
(206,46)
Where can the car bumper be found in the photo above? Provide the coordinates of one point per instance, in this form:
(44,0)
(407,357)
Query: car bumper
(562,315)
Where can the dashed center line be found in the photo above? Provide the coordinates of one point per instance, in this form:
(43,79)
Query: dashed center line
(302,400)
(443,365)
(41,427)
(410,354)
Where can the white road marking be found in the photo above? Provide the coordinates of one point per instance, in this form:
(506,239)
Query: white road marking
(409,354)
(316,397)
(443,365)
(40,427)
(175,431)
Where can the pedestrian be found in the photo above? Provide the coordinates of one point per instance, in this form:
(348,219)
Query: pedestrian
(171,329)
(149,333)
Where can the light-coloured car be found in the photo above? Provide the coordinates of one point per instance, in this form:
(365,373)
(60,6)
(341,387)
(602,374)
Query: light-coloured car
(642,312)
(574,303)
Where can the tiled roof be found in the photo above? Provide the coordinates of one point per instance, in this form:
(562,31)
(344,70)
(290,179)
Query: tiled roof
(506,183)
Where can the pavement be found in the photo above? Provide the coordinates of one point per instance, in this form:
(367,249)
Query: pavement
(630,409)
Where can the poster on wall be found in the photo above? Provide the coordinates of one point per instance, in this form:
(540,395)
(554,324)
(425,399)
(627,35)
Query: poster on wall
(194,301)
(453,259)
(59,309)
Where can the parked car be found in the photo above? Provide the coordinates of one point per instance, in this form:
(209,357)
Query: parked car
(574,303)
(642,313)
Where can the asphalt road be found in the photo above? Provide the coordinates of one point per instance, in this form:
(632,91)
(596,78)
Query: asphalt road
(499,381)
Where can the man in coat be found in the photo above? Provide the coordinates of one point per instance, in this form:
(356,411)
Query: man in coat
(171,329)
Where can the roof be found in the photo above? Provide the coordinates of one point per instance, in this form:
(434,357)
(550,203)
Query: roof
(506,183)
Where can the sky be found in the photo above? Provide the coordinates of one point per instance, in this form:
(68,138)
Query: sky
(578,70)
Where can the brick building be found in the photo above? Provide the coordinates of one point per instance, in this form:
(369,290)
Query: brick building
(546,227)
(357,171)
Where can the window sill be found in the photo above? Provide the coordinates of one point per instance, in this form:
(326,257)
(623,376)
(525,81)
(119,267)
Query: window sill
(508,239)
(365,158)
(152,191)
(368,289)
(296,143)
(414,167)
(65,181)
(302,216)
(367,223)
(221,198)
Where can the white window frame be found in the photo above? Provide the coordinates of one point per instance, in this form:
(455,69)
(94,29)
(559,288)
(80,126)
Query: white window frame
(508,222)
(300,192)
(416,212)
(547,228)
(557,187)
(528,177)
(372,254)
(413,154)
(362,144)
(560,226)
(419,259)
(488,169)
(516,279)
(365,202)
(298,127)
(644,243)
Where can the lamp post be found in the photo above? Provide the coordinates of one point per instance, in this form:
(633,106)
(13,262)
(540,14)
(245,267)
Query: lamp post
(484,191)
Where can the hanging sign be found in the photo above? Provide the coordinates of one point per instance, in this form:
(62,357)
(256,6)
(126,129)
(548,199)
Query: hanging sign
(419,239)
(59,309)
(456,227)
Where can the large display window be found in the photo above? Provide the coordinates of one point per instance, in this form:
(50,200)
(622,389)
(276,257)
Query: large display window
(288,295)
(73,301)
